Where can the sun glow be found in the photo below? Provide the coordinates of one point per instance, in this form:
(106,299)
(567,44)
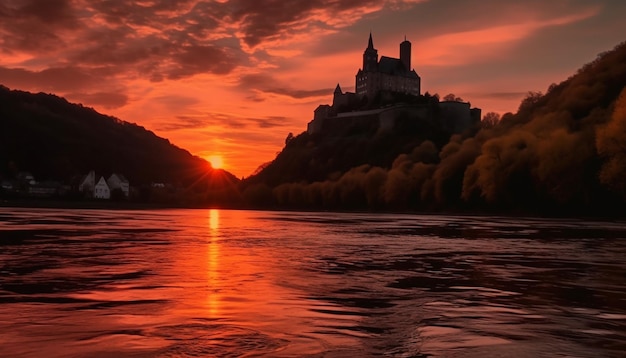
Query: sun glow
(217,162)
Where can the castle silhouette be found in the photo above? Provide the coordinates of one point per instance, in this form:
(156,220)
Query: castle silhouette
(381,81)
(388,74)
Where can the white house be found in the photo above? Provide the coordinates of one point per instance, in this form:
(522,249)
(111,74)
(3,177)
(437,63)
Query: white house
(118,181)
(101,189)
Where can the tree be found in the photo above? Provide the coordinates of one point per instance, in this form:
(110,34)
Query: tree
(452,97)
(289,138)
(490,119)
(531,99)
(611,144)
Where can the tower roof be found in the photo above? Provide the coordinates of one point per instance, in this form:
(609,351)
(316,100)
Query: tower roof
(370,43)
(338,89)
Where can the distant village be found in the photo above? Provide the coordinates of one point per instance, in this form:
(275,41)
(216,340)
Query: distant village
(377,82)
(89,186)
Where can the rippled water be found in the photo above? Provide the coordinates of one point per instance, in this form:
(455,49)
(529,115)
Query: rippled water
(215,283)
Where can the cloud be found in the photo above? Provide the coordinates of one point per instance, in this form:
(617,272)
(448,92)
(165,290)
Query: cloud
(268,84)
(270,20)
(221,120)
(162,39)
(191,60)
(156,39)
(48,11)
(501,95)
(51,79)
(483,42)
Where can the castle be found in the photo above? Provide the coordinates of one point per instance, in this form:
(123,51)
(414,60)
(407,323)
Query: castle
(387,77)
(388,74)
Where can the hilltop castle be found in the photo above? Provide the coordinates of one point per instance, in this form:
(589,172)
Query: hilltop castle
(385,75)
(388,74)
(383,79)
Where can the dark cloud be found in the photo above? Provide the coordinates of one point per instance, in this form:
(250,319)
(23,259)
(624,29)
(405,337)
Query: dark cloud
(162,39)
(52,79)
(176,101)
(299,94)
(34,25)
(200,59)
(117,46)
(159,39)
(48,11)
(107,100)
(269,122)
(502,95)
(268,84)
(222,120)
(263,20)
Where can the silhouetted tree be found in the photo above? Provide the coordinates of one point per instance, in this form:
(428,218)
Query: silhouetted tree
(611,143)
(452,97)
(490,119)
(289,138)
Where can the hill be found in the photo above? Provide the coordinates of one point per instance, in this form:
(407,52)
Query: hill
(561,153)
(57,140)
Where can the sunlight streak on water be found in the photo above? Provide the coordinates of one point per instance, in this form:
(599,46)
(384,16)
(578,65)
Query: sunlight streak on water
(177,283)
(214,262)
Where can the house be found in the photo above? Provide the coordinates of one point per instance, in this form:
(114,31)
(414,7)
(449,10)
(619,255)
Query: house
(101,189)
(118,181)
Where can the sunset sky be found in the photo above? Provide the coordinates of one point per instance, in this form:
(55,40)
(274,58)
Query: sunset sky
(233,78)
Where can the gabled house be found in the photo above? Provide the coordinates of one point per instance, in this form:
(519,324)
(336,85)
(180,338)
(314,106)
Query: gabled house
(101,189)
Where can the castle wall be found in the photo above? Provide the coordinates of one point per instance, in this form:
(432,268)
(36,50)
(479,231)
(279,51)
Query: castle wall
(388,118)
(400,84)
(456,116)
(343,100)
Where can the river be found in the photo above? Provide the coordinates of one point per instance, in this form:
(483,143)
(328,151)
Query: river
(221,283)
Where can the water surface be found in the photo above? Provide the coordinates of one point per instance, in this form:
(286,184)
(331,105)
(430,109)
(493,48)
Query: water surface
(216,283)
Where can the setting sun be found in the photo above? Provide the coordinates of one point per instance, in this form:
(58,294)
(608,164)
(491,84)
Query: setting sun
(216,161)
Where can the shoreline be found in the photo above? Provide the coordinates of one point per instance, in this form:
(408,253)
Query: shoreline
(125,205)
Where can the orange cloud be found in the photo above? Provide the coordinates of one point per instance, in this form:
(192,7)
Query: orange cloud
(484,43)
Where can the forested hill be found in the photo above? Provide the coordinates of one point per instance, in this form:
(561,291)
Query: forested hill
(563,152)
(57,140)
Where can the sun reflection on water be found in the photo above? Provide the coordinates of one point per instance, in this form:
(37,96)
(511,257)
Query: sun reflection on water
(213,249)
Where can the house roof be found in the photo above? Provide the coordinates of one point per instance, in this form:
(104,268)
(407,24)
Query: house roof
(102,181)
(120,177)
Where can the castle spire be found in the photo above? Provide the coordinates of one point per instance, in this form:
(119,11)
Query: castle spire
(338,89)
(370,56)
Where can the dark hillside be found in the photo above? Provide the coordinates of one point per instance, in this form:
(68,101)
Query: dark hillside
(317,157)
(57,140)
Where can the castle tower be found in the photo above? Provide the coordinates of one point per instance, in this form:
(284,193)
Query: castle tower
(338,89)
(337,96)
(405,54)
(370,56)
